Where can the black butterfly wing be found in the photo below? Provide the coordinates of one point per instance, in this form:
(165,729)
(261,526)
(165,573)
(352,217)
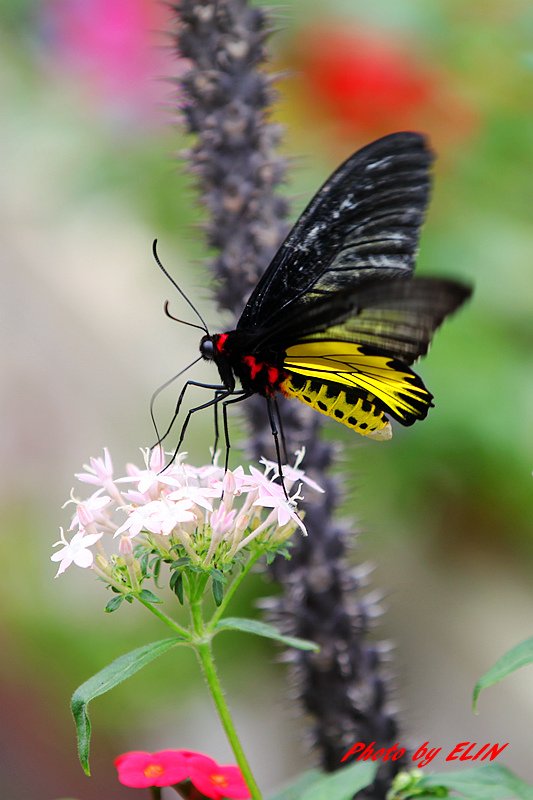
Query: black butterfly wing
(398,317)
(364,358)
(362,224)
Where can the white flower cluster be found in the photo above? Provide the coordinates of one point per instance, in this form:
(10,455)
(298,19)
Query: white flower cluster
(205,514)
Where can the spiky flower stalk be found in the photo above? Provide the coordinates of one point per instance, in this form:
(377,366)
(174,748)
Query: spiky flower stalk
(226,97)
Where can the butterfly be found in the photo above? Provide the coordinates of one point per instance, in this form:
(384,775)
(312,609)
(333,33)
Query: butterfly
(337,319)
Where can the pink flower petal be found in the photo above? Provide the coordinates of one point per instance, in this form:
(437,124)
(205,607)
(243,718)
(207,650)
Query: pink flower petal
(139,769)
(215,780)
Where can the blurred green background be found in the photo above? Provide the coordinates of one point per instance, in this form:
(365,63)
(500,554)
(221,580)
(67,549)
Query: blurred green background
(89,178)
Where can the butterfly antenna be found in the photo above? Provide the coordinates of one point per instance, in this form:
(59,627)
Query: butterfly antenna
(157,392)
(171,279)
(183,322)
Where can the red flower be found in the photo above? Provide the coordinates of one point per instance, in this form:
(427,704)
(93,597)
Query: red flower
(169,767)
(365,81)
(214,780)
(368,83)
(140,770)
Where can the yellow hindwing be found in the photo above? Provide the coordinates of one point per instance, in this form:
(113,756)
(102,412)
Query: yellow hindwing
(353,382)
(358,413)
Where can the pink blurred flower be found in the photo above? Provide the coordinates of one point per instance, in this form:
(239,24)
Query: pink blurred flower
(116,46)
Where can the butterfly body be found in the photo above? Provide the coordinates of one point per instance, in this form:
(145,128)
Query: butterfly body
(259,372)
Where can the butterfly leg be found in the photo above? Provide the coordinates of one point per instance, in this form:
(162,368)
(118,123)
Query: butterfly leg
(161,389)
(237,398)
(271,408)
(219,396)
(281,432)
(217,387)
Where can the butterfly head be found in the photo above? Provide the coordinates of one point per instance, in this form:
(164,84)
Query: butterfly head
(207,348)
(212,349)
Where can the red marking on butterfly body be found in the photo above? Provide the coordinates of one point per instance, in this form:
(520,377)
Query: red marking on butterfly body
(273,375)
(255,366)
(220,341)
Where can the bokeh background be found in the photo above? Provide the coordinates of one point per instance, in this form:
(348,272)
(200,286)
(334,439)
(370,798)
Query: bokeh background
(90,175)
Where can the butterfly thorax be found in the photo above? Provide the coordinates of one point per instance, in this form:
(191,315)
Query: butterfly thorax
(259,372)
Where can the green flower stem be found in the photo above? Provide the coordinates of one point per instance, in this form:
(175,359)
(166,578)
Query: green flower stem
(202,645)
(205,656)
(166,619)
(232,589)
(156,793)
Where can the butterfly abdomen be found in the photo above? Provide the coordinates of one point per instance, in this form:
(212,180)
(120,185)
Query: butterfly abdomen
(349,407)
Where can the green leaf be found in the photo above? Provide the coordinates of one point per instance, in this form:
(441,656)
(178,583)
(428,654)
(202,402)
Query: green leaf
(342,784)
(218,591)
(176,584)
(180,562)
(114,603)
(294,790)
(143,563)
(490,782)
(519,656)
(218,582)
(115,673)
(263,629)
(148,596)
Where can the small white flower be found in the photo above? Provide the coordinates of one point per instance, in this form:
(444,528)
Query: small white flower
(222,521)
(99,470)
(205,513)
(157,516)
(291,474)
(89,511)
(259,481)
(199,495)
(76,551)
(148,480)
(283,511)
(207,475)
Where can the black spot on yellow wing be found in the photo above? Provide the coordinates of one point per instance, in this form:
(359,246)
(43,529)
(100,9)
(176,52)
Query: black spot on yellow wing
(344,405)
(386,382)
